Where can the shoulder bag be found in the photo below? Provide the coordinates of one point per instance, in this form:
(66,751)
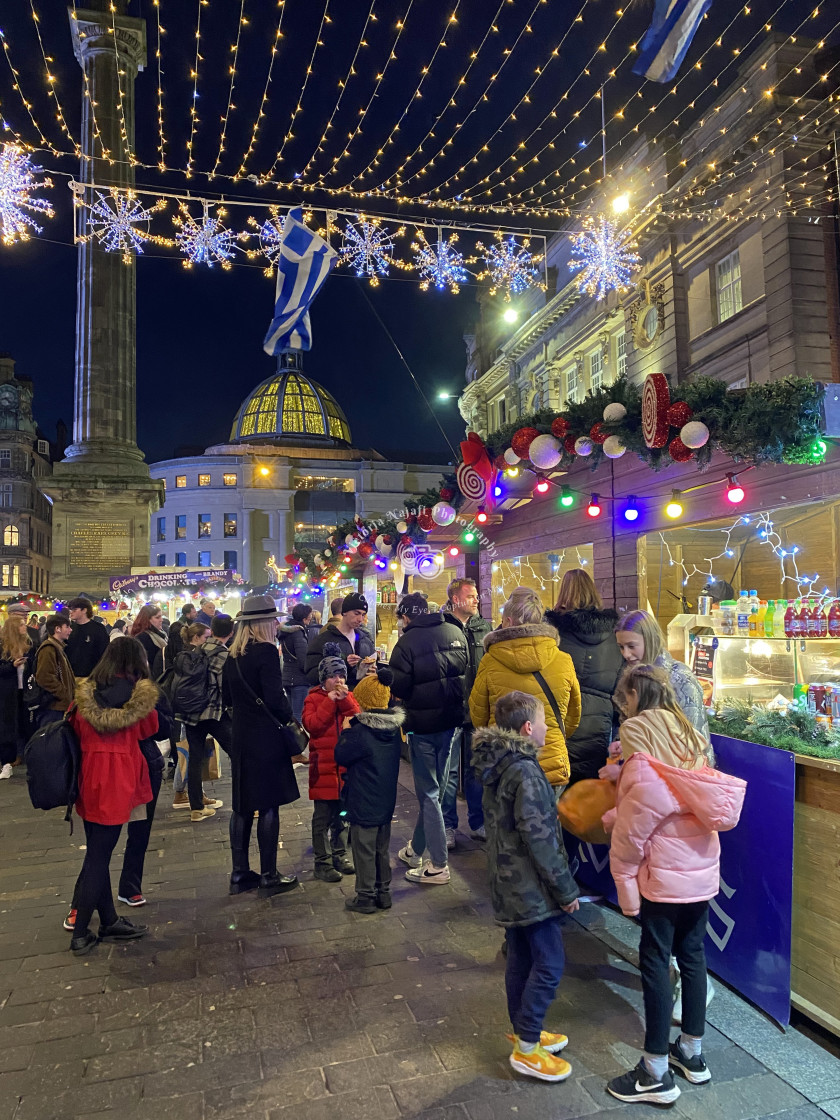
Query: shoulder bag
(293,736)
(550,697)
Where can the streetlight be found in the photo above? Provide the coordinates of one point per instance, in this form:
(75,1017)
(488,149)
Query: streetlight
(621,204)
(443,395)
(511,315)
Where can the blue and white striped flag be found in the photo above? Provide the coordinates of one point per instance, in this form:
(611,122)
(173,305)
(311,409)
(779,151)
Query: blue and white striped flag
(303,264)
(669,37)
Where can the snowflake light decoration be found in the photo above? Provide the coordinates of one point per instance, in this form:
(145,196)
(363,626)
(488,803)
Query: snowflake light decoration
(205,241)
(510,266)
(368,249)
(18,179)
(441,264)
(606,256)
(270,233)
(121,225)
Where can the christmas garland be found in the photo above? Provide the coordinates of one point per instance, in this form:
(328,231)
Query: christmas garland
(794,730)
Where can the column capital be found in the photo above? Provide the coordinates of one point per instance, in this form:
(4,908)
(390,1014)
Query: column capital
(95,32)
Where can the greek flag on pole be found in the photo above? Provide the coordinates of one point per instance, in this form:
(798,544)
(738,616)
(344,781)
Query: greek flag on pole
(668,38)
(303,264)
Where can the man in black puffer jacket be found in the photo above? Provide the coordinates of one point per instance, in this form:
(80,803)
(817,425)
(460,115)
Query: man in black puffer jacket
(429,663)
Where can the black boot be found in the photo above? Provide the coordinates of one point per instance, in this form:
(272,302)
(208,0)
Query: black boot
(275,883)
(242,877)
(268,834)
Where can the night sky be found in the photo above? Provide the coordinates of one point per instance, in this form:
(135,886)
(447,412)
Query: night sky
(199,337)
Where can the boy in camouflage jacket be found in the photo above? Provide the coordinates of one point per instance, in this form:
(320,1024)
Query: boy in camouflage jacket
(530,883)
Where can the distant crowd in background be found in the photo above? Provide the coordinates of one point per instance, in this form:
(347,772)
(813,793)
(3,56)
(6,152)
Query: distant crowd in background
(514,717)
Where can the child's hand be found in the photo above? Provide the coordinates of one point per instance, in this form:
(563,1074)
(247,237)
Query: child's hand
(630,913)
(610,772)
(345,723)
(614,749)
(572,907)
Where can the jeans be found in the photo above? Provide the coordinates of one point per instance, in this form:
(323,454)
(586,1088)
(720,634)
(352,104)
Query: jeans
(220,730)
(678,927)
(329,833)
(431,756)
(473,789)
(372,859)
(297,694)
(131,878)
(533,969)
(93,887)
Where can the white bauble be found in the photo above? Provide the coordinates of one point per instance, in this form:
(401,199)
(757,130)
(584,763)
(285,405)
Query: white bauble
(511,458)
(583,445)
(402,527)
(382,546)
(613,447)
(545,452)
(443,513)
(328,552)
(318,558)
(614,412)
(694,434)
(349,539)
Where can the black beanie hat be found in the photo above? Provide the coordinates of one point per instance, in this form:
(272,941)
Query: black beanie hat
(354,602)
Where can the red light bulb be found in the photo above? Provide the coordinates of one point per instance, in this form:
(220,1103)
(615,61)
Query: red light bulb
(454,550)
(542,486)
(481,516)
(594,507)
(734,492)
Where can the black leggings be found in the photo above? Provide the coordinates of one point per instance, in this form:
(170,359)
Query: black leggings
(93,887)
(268,833)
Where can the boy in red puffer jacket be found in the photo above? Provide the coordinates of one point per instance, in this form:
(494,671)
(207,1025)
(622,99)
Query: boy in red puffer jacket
(324,711)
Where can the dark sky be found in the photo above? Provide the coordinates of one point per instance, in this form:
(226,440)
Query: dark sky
(199,338)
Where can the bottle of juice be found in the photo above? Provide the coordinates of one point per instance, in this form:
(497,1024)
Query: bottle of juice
(743,615)
(820,620)
(802,613)
(790,619)
(753,624)
(760,616)
(769,619)
(834,619)
(812,623)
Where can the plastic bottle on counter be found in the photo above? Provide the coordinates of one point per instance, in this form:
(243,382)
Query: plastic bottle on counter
(760,616)
(754,599)
(811,625)
(820,620)
(728,618)
(790,620)
(802,615)
(753,623)
(743,615)
(770,619)
(834,619)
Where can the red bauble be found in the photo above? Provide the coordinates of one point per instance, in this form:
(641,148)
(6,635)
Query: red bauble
(656,400)
(569,444)
(678,414)
(597,434)
(559,426)
(446,495)
(387,538)
(412,519)
(522,441)
(366,550)
(678,451)
(426,521)
(500,463)
(291,558)
(405,539)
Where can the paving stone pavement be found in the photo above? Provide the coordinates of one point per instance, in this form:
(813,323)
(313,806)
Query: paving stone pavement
(294,1007)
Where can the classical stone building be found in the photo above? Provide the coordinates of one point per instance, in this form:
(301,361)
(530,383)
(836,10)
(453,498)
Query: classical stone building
(25,514)
(287,476)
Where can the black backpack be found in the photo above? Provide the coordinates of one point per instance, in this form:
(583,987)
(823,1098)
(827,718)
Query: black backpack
(34,696)
(53,759)
(191,683)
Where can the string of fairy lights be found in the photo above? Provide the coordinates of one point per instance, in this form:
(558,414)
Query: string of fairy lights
(241,22)
(261,112)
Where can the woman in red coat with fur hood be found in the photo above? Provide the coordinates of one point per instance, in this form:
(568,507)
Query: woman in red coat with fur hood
(114,710)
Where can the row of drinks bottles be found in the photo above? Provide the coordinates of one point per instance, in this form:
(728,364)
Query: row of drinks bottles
(821,700)
(751,617)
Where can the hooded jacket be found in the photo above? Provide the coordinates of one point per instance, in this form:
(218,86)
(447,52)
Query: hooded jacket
(322,718)
(369,750)
(85,646)
(54,673)
(293,642)
(665,825)
(429,663)
(513,654)
(114,776)
(217,654)
(475,630)
(689,691)
(530,879)
(588,636)
(330,633)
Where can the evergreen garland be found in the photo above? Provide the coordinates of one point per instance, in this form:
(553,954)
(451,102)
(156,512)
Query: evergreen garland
(795,730)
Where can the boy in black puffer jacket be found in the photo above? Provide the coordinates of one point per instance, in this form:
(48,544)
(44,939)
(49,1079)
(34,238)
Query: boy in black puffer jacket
(370,750)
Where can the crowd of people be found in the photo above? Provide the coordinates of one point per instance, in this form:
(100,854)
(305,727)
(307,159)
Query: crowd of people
(512,715)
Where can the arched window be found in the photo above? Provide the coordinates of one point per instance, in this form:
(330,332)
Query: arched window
(11,535)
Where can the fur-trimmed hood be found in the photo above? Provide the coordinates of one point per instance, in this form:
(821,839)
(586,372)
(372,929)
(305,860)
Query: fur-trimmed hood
(589,626)
(291,628)
(522,649)
(529,630)
(382,719)
(492,745)
(141,703)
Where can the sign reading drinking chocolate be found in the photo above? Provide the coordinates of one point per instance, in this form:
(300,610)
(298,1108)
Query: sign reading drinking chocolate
(160,581)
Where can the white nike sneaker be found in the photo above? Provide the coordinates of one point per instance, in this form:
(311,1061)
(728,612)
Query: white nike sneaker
(428,874)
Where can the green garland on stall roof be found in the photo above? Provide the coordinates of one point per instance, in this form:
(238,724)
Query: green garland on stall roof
(795,730)
(772,423)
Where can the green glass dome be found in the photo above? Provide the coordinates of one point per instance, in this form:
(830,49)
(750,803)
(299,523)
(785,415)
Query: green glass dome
(290,407)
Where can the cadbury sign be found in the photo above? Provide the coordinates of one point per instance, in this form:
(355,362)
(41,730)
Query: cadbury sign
(160,581)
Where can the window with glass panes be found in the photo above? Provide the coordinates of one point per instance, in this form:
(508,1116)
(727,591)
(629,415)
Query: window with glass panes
(181,527)
(10,575)
(161,528)
(573,382)
(621,353)
(204,560)
(596,369)
(180,481)
(161,560)
(230,560)
(180,559)
(230,524)
(204,480)
(205,524)
(229,479)
(728,276)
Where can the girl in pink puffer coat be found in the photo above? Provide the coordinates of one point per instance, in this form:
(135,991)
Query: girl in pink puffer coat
(665,860)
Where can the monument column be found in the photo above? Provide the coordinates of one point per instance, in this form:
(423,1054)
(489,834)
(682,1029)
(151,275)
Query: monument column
(102,493)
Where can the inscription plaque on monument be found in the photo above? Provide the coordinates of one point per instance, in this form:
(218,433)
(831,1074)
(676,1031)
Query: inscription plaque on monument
(100,547)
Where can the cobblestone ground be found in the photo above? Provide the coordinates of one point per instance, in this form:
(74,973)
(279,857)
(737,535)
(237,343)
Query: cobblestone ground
(294,1007)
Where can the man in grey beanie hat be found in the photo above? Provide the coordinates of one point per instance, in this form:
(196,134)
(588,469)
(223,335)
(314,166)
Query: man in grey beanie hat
(348,633)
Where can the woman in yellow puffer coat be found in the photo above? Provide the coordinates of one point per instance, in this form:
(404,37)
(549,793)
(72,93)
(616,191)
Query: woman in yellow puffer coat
(522,646)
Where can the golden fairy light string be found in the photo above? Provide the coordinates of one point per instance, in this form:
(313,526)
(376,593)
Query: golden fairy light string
(104,150)
(52,81)
(194,121)
(242,22)
(126,139)
(275,50)
(159,56)
(26,103)
(298,109)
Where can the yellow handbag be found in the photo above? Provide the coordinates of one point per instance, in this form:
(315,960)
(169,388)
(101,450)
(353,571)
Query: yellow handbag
(581,807)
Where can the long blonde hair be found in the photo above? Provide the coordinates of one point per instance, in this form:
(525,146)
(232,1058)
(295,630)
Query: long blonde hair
(260,630)
(654,691)
(14,641)
(523,608)
(578,592)
(645,625)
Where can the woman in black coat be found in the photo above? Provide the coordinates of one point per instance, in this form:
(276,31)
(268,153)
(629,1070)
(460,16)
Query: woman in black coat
(261,766)
(587,634)
(15,646)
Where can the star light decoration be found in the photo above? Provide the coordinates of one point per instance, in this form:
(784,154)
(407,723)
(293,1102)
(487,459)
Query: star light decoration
(510,266)
(120,224)
(18,179)
(270,233)
(607,257)
(368,249)
(205,241)
(441,264)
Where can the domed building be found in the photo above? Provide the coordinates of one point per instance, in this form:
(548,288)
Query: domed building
(288,474)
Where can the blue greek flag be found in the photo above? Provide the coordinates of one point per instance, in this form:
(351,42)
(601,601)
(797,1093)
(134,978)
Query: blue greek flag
(303,264)
(668,38)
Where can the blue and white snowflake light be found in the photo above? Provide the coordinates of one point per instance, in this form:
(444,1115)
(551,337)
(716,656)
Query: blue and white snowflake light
(368,249)
(121,225)
(510,267)
(440,264)
(606,256)
(270,233)
(205,241)
(18,179)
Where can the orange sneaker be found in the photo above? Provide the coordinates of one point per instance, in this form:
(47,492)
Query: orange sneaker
(553,1043)
(540,1064)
